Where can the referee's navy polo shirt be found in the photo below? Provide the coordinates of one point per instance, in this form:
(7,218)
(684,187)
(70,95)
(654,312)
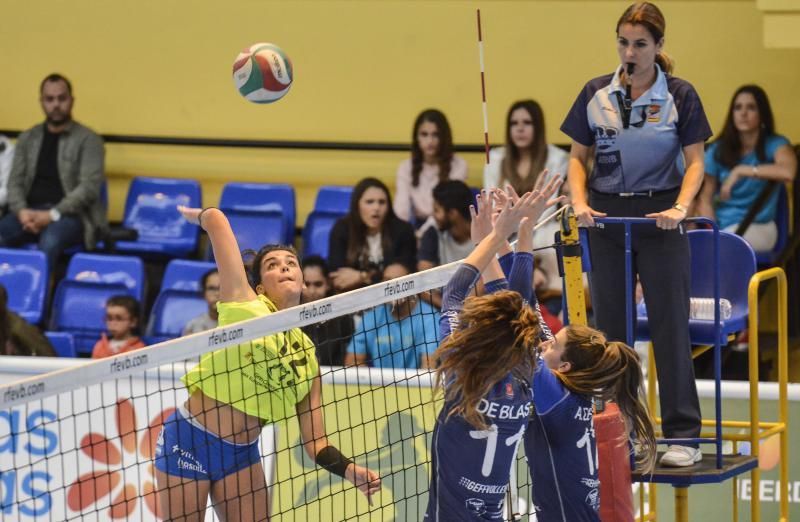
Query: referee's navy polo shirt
(648,154)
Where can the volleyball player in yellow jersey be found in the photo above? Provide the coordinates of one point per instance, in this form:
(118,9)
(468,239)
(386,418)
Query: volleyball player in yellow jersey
(210,445)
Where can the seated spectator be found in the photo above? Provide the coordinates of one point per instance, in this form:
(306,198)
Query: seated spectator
(122,323)
(449,240)
(400,334)
(6,157)
(519,163)
(368,238)
(55,180)
(332,336)
(432,161)
(747,155)
(17,336)
(210,285)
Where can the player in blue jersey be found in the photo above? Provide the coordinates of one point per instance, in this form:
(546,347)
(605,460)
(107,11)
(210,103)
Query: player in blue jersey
(486,361)
(560,442)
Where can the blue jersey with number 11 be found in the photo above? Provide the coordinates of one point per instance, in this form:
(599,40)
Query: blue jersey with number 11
(471,467)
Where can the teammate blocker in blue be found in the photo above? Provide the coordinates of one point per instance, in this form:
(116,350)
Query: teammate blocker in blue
(486,361)
(560,442)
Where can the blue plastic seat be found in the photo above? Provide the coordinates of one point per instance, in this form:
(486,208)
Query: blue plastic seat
(737,266)
(183,274)
(254,229)
(317,233)
(127,270)
(274,200)
(333,198)
(171,311)
(24,273)
(63,343)
(79,308)
(151,209)
(766,259)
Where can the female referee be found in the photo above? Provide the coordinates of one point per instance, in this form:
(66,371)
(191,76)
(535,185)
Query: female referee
(647,129)
(486,362)
(210,445)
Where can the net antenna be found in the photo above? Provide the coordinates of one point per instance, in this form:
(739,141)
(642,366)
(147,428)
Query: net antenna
(483,89)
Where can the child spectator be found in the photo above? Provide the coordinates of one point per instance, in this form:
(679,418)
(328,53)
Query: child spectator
(330,337)
(209,284)
(122,323)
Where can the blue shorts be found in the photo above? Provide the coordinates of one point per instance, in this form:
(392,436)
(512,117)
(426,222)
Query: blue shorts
(186,449)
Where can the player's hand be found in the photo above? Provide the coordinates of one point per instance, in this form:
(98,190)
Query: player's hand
(586,214)
(367,481)
(668,219)
(190,214)
(481,224)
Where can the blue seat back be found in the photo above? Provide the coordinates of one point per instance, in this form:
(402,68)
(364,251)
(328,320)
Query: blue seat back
(317,233)
(254,229)
(262,198)
(127,270)
(172,310)
(738,264)
(183,274)
(24,273)
(333,198)
(151,209)
(79,308)
(63,343)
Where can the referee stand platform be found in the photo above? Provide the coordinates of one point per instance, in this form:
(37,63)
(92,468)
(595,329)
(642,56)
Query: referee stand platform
(738,281)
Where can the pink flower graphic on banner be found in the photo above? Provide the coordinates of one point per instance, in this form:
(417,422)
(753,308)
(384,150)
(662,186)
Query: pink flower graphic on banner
(91,487)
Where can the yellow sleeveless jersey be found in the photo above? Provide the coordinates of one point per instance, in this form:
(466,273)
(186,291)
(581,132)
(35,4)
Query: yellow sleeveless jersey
(265,377)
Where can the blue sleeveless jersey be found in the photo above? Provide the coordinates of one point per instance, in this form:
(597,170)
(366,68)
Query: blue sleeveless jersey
(561,450)
(470,468)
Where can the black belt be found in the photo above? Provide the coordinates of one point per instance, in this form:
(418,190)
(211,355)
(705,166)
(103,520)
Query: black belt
(644,194)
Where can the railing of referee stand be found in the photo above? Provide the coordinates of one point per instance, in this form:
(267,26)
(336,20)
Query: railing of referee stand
(575,312)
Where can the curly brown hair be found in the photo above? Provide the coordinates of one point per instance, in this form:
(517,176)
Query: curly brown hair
(611,371)
(498,334)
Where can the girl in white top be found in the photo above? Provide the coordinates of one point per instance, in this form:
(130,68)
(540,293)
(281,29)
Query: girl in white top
(525,156)
(432,161)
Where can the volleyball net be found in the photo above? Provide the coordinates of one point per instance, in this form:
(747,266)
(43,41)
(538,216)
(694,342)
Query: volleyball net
(79,443)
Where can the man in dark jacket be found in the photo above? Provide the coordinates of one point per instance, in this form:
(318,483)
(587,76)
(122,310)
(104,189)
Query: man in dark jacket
(55,180)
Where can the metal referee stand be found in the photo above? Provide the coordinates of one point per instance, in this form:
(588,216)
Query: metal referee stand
(715,467)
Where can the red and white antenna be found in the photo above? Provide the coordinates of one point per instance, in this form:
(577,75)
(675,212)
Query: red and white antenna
(483,90)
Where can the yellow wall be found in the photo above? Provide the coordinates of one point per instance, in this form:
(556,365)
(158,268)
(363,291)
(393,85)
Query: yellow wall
(363,71)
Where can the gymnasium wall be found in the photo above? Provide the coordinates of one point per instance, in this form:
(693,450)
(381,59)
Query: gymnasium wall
(363,70)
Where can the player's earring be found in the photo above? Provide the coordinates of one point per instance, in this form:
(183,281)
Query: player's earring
(259,289)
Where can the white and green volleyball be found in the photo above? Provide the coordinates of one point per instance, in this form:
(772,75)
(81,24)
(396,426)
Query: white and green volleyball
(262,73)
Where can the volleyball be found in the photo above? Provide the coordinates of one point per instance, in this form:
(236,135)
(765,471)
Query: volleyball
(262,73)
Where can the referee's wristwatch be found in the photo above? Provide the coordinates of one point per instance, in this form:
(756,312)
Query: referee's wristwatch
(55,215)
(680,207)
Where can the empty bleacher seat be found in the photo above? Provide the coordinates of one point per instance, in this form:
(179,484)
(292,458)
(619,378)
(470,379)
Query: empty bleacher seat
(254,229)
(317,232)
(151,209)
(332,202)
(63,343)
(79,308)
(274,200)
(127,270)
(183,274)
(171,311)
(24,273)
(333,198)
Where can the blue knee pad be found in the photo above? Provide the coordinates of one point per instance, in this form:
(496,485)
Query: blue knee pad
(185,449)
